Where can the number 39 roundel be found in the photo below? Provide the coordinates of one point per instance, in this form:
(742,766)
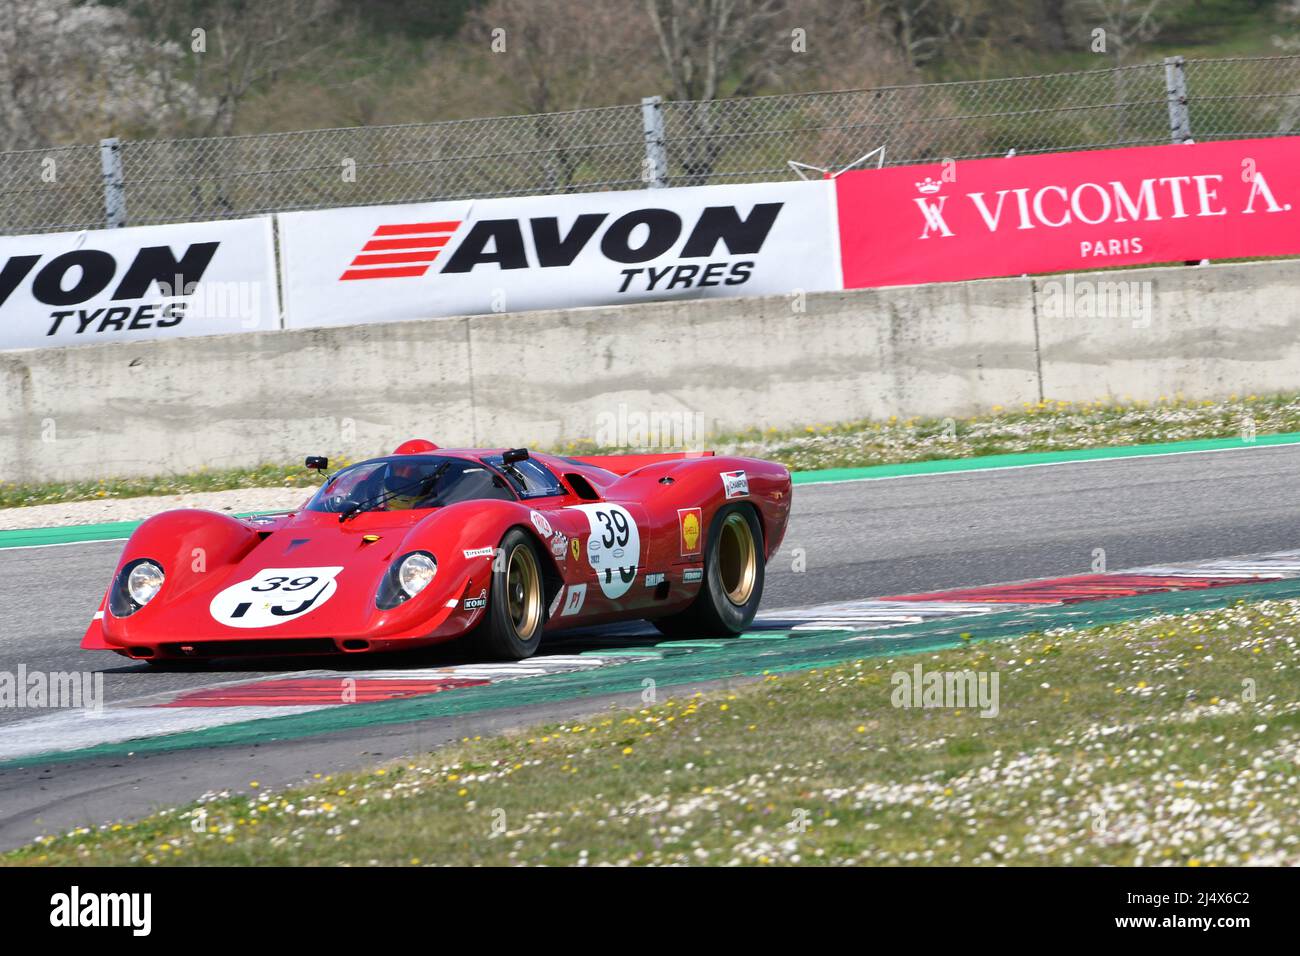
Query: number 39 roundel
(614,548)
(274,596)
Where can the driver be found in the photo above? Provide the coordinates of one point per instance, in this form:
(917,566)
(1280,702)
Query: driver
(404,478)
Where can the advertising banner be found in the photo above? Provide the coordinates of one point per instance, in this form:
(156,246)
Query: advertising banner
(973,219)
(146,282)
(382,263)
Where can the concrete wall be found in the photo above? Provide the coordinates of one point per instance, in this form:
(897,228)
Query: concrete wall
(544,378)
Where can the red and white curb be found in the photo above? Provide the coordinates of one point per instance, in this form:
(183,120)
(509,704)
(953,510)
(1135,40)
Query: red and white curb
(236,701)
(233,702)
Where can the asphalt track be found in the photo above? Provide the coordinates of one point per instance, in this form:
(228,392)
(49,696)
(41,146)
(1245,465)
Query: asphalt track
(858,539)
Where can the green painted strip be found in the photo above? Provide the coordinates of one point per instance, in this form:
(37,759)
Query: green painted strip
(70,534)
(816,650)
(1028,459)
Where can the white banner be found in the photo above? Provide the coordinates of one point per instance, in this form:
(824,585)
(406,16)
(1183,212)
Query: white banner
(145,282)
(381,263)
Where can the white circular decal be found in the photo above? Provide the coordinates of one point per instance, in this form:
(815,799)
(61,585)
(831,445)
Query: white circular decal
(274,596)
(614,547)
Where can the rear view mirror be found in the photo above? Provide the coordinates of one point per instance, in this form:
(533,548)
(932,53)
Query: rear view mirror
(318,462)
(515,455)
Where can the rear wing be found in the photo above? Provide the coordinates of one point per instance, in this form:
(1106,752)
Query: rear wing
(623,464)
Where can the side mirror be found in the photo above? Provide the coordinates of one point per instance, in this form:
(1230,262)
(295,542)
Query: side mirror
(514,455)
(318,462)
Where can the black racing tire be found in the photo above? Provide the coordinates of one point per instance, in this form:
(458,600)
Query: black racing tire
(734,568)
(512,627)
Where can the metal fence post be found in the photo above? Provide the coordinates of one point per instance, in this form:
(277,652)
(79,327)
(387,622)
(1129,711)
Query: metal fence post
(655,173)
(1180,120)
(110,165)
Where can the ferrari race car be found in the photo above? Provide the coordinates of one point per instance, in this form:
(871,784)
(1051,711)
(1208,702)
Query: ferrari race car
(427,545)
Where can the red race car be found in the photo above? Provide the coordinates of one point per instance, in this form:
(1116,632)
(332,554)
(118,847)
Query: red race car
(429,544)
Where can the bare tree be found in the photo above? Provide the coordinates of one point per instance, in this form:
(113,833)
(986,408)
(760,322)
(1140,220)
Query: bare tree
(72,71)
(241,47)
(706,43)
(560,55)
(1127,24)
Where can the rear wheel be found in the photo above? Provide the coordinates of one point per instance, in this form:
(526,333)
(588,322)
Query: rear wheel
(512,628)
(733,579)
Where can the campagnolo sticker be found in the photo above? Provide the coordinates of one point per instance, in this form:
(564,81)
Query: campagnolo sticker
(691,575)
(613,548)
(474,603)
(274,596)
(735,484)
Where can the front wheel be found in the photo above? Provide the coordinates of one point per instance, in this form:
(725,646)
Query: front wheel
(733,579)
(512,627)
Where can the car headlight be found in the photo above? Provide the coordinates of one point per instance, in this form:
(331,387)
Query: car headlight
(143,582)
(416,571)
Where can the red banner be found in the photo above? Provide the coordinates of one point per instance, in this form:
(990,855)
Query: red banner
(972,219)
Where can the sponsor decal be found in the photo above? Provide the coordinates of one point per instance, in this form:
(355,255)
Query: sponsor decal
(613,547)
(654,580)
(688,524)
(474,603)
(1067,211)
(555,603)
(573,603)
(400,251)
(274,596)
(575,548)
(735,484)
(561,251)
(540,523)
(691,575)
(480,552)
(560,546)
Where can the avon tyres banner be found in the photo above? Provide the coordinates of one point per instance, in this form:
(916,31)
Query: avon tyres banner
(973,219)
(148,282)
(381,263)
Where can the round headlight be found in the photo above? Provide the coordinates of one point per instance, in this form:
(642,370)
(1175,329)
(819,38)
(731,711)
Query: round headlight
(143,582)
(416,572)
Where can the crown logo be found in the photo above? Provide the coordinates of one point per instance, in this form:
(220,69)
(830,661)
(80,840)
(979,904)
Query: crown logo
(928,186)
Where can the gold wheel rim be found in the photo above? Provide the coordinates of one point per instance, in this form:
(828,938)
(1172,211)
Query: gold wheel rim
(737,559)
(523,591)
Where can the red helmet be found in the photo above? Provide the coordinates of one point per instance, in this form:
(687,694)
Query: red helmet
(415,446)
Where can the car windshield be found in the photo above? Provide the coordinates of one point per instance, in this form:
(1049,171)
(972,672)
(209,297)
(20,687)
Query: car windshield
(406,482)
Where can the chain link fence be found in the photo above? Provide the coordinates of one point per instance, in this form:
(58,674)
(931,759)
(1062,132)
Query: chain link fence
(653,143)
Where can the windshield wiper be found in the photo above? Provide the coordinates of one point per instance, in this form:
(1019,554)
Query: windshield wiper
(430,480)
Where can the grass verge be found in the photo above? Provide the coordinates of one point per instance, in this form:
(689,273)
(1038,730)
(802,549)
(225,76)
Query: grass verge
(1044,426)
(1170,740)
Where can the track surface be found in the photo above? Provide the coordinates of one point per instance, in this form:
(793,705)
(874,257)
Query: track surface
(860,539)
